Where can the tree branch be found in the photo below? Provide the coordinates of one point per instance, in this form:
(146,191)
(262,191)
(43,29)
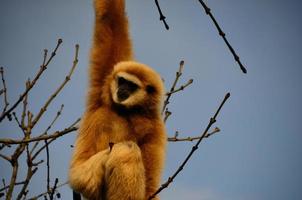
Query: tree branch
(48,128)
(44,193)
(4,91)
(191,139)
(48,166)
(194,148)
(51,98)
(222,34)
(39,138)
(43,67)
(172,89)
(72,126)
(161,16)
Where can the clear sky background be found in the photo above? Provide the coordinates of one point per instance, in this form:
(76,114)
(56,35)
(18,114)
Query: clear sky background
(257,154)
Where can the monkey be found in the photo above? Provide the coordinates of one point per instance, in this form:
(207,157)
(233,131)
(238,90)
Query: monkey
(119,151)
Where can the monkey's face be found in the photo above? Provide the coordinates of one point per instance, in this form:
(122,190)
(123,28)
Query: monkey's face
(127,90)
(135,85)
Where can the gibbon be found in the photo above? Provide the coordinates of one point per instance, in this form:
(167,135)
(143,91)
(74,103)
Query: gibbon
(120,148)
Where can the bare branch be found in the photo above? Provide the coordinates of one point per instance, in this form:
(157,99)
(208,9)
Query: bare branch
(5,157)
(191,139)
(4,145)
(47,164)
(67,79)
(4,91)
(12,180)
(181,87)
(167,114)
(44,193)
(43,67)
(7,186)
(4,186)
(30,173)
(45,56)
(53,189)
(38,163)
(172,89)
(39,138)
(48,128)
(161,16)
(26,126)
(55,119)
(72,126)
(194,148)
(27,84)
(222,34)
(18,122)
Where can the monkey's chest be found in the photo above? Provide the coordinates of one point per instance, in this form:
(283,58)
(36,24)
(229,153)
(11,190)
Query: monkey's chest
(115,130)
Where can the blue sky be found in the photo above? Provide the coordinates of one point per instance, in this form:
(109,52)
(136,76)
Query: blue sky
(257,154)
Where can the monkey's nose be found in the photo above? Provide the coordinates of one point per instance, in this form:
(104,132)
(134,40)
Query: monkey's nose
(122,95)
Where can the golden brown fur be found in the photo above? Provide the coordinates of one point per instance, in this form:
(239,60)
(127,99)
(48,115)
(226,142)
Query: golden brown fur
(131,170)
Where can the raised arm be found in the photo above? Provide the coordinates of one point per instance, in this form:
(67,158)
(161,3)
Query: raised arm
(111,44)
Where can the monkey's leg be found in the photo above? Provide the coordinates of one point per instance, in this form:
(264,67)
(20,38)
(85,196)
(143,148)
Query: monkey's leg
(125,174)
(86,177)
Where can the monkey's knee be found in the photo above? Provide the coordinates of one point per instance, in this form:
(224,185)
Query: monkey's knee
(125,173)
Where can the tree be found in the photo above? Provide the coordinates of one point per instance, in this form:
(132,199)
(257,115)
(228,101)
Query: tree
(27,146)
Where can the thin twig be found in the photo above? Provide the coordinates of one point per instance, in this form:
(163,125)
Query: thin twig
(52,192)
(172,91)
(4,145)
(55,119)
(43,67)
(168,113)
(194,148)
(47,164)
(191,139)
(30,173)
(181,87)
(5,157)
(18,122)
(45,56)
(6,104)
(222,34)
(44,193)
(66,80)
(25,103)
(30,170)
(25,195)
(161,16)
(7,186)
(72,126)
(178,74)
(4,186)
(48,128)
(38,163)
(39,138)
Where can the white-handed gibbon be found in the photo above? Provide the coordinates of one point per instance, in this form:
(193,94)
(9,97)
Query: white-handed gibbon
(123,109)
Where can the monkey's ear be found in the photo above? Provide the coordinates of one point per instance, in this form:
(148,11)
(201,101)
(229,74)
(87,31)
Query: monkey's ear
(150,89)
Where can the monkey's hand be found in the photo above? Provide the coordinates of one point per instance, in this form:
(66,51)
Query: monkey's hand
(86,177)
(123,152)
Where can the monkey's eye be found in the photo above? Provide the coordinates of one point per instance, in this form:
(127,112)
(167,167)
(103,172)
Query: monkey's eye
(125,84)
(150,89)
(121,81)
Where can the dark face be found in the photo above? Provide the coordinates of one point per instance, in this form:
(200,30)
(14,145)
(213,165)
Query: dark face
(125,88)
